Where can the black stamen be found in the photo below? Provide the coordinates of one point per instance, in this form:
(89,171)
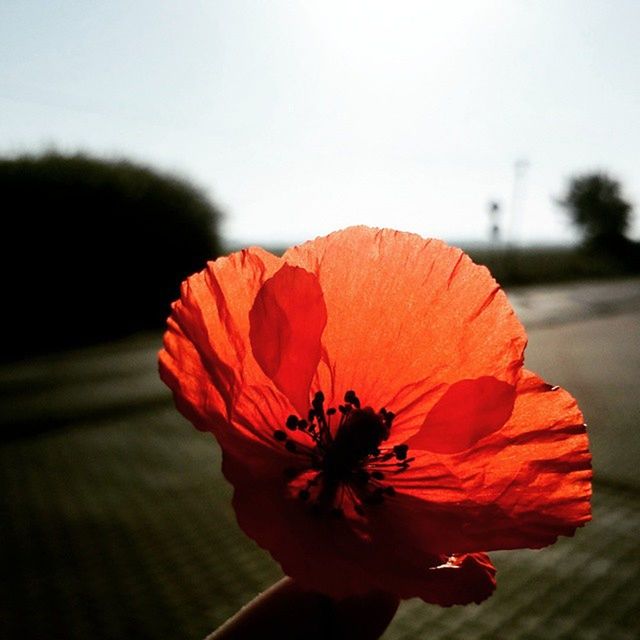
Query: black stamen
(400,451)
(347,461)
(318,403)
(352,398)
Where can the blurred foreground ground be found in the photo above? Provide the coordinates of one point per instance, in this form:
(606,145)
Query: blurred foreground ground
(115,521)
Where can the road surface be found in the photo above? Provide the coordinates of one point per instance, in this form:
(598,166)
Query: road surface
(586,338)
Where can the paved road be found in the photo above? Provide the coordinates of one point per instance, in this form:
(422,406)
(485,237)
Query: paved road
(598,360)
(115,521)
(586,338)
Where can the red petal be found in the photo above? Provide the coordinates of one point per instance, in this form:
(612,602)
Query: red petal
(287,320)
(462,580)
(520,486)
(405,316)
(468,411)
(207,360)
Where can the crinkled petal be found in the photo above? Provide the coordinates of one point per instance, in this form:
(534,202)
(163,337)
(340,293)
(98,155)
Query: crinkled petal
(408,318)
(207,359)
(520,486)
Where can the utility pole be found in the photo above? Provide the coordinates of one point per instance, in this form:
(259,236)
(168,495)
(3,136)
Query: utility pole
(520,167)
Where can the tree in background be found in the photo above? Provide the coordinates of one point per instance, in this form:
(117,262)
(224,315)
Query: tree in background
(94,249)
(595,204)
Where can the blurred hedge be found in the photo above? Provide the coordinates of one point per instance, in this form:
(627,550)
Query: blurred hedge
(542,265)
(94,249)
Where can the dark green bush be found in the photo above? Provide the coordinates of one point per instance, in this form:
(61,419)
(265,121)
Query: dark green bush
(94,249)
(596,205)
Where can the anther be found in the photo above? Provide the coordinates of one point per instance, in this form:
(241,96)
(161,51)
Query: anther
(352,398)
(290,445)
(378,475)
(318,402)
(292,423)
(400,451)
(280,435)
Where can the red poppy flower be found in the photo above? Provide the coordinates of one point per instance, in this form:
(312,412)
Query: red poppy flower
(377,424)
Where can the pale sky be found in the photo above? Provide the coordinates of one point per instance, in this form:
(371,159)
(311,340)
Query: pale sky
(301,117)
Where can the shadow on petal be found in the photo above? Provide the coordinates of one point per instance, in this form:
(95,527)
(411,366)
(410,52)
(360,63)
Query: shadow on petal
(286,324)
(467,412)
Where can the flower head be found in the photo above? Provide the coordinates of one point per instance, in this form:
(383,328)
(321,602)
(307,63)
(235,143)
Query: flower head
(376,421)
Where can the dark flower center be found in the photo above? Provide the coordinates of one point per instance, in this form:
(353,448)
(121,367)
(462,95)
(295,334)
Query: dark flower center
(347,467)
